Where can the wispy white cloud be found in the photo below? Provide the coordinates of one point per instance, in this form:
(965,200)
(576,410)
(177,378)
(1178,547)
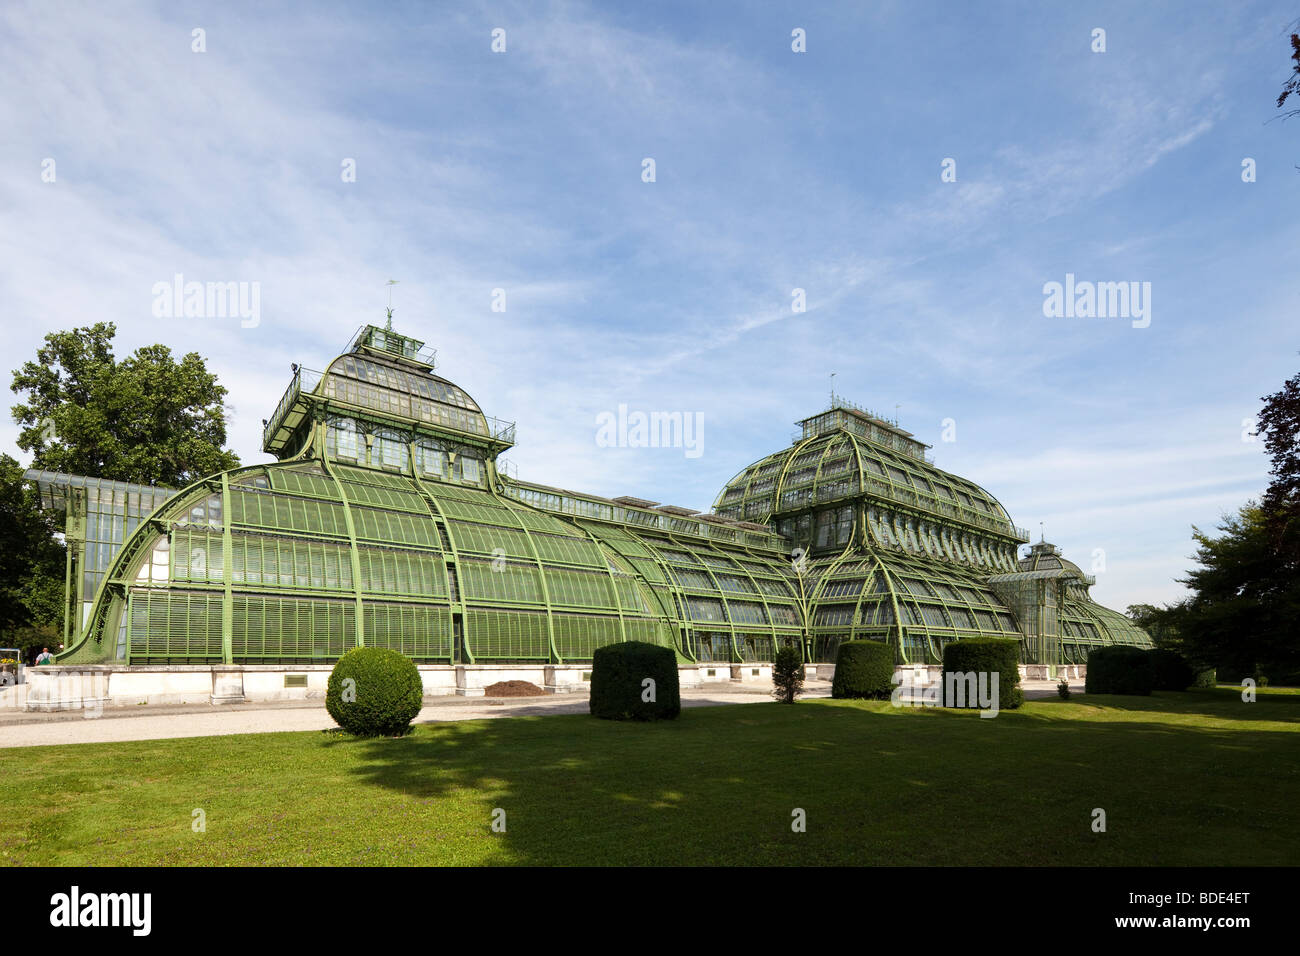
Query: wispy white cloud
(522,171)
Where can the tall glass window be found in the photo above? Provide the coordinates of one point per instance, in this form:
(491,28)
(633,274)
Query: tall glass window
(431,460)
(341,439)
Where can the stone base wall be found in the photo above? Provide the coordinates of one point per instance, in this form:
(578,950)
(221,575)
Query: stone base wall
(91,688)
(95,687)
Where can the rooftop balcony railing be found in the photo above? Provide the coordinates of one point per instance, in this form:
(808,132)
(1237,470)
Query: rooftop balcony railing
(501,431)
(395,343)
(898,443)
(304,380)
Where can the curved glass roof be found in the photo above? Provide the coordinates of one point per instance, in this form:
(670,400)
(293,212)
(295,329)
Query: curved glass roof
(386,523)
(378,385)
(387,380)
(1047,557)
(886,595)
(302,560)
(308,559)
(834,467)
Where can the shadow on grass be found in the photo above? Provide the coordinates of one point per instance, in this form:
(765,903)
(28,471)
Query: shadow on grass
(1219,703)
(876,785)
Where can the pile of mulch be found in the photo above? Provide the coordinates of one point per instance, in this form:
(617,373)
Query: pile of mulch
(513,688)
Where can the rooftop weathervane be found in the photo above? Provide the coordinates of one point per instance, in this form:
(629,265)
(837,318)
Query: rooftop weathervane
(389,326)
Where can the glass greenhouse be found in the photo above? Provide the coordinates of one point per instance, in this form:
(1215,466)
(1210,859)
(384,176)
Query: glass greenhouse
(385,522)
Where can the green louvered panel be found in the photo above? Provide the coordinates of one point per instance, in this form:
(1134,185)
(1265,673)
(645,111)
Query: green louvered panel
(746,612)
(721,562)
(174,624)
(444,489)
(648,569)
(380,479)
(774,587)
(779,566)
(303,564)
(631,547)
(578,635)
(393,527)
(755,647)
(490,539)
(419,631)
(607,533)
(490,582)
(287,513)
(506,635)
(785,615)
(197,557)
(629,594)
(398,500)
(663,601)
(303,483)
(277,628)
(580,588)
(650,631)
(393,571)
(475,511)
(537,520)
(554,547)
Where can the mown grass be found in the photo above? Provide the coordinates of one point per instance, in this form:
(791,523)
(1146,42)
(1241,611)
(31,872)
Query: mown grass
(1199,778)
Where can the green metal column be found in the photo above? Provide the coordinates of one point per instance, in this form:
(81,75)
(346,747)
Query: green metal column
(227,576)
(352,536)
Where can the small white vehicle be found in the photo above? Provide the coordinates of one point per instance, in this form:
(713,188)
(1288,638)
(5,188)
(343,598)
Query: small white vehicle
(11,667)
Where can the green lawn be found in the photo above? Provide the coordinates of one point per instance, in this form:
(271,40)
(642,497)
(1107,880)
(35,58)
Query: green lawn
(1195,778)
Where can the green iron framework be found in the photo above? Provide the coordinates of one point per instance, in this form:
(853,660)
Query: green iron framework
(385,522)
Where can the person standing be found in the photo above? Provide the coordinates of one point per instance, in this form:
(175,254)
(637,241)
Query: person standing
(44,657)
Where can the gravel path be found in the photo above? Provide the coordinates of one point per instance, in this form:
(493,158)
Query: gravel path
(141,723)
(164,723)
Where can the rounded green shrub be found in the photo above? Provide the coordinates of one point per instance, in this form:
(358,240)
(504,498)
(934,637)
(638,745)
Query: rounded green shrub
(635,680)
(1120,670)
(1206,678)
(374,691)
(863,670)
(983,656)
(1172,672)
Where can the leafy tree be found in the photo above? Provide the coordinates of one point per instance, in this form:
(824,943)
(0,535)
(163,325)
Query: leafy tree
(1245,602)
(31,565)
(1159,622)
(1279,425)
(147,418)
(1241,617)
(1292,86)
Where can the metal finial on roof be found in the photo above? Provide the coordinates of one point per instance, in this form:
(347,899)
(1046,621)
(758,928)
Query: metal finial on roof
(389,326)
(1042,535)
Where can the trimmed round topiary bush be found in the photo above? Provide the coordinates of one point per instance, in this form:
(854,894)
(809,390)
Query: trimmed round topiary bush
(635,681)
(864,670)
(374,691)
(1172,672)
(1206,678)
(983,657)
(1120,670)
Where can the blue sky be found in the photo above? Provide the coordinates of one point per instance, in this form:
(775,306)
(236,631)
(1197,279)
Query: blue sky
(774,170)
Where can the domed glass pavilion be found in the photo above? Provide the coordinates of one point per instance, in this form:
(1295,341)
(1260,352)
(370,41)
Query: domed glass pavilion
(385,522)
